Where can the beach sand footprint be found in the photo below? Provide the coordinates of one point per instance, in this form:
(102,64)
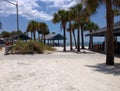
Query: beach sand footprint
(71,88)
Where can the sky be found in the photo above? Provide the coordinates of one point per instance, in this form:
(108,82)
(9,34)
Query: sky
(42,11)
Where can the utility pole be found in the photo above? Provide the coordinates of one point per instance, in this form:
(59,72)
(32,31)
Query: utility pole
(17,19)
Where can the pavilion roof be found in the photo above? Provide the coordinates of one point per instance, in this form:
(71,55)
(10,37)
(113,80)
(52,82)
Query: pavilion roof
(102,31)
(54,37)
(21,36)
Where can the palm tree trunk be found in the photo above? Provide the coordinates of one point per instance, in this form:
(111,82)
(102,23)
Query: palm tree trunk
(78,40)
(31,35)
(34,35)
(75,39)
(71,48)
(39,37)
(91,43)
(82,38)
(64,30)
(44,39)
(109,37)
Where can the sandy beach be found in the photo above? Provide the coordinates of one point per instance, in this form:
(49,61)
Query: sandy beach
(58,71)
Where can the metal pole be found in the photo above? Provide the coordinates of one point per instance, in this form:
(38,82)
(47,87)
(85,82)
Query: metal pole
(17,22)
(17,17)
(0,28)
(10,2)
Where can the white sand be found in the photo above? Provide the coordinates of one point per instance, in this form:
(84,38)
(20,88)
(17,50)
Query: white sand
(58,71)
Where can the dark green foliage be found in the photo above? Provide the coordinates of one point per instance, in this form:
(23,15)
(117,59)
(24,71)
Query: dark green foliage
(5,34)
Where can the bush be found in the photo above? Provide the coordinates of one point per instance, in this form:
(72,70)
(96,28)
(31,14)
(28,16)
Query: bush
(30,47)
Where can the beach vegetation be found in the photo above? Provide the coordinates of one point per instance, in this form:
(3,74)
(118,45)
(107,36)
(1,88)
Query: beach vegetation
(81,16)
(73,19)
(31,46)
(74,27)
(91,27)
(61,17)
(77,11)
(40,27)
(71,16)
(32,27)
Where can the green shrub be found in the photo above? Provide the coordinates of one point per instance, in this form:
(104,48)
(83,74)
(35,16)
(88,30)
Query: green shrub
(30,47)
(18,47)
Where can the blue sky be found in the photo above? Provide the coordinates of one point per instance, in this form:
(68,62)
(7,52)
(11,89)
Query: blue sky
(41,10)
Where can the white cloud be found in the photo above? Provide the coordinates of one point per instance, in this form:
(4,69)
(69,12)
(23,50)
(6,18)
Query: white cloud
(61,4)
(69,5)
(27,8)
(31,8)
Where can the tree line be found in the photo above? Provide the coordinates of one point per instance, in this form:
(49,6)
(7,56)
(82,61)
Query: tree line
(6,34)
(78,18)
(40,27)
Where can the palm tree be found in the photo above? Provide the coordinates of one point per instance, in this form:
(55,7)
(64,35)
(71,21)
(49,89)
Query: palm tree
(61,17)
(74,27)
(91,27)
(82,37)
(70,31)
(29,29)
(32,27)
(44,30)
(39,25)
(71,17)
(85,15)
(77,11)
(110,5)
(82,16)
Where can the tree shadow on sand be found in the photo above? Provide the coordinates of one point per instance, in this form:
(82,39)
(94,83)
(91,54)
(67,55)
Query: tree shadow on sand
(115,70)
(75,51)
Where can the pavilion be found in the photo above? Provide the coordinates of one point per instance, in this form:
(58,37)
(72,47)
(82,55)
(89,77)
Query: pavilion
(20,36)
(51,38)
(102,32)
